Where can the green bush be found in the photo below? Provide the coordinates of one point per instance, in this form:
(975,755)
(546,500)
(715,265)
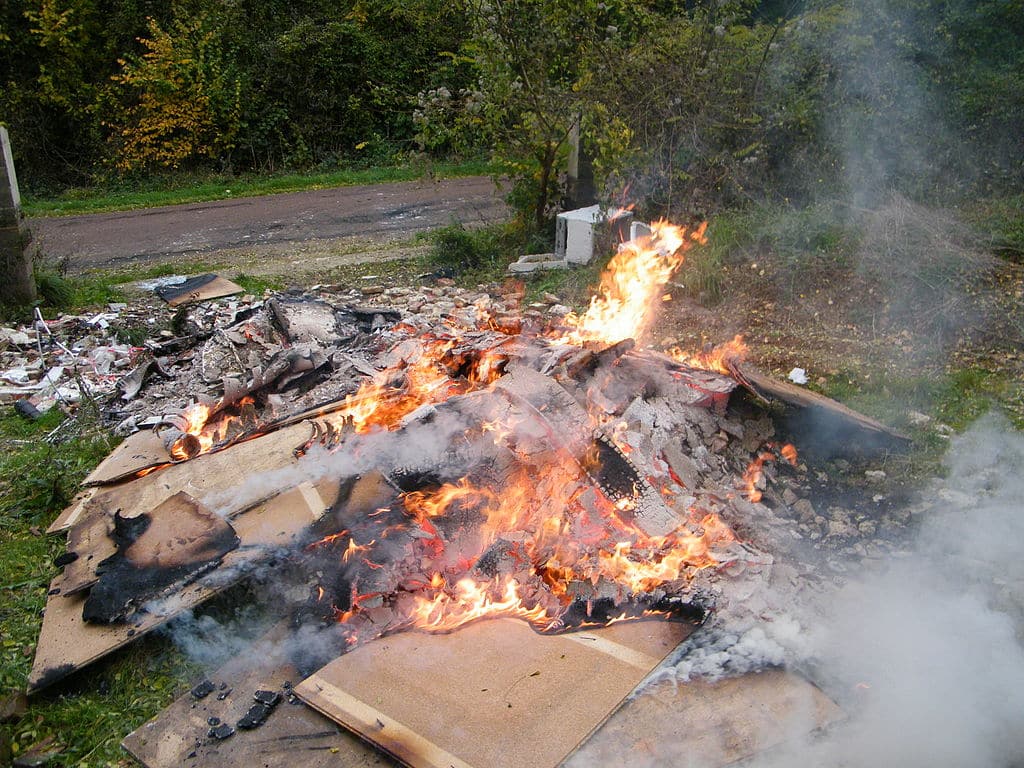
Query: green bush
(461,250)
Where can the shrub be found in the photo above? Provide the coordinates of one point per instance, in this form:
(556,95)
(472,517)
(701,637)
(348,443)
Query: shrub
(462,250)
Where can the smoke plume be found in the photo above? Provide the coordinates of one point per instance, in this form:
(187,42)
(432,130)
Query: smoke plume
(924,652)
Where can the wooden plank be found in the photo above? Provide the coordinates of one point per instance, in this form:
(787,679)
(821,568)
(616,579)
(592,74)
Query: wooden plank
(291,735)
(494,694)
(720,723)
(136,452)
(67,643)
(764,386)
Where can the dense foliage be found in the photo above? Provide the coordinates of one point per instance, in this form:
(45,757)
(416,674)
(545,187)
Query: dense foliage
(688,105)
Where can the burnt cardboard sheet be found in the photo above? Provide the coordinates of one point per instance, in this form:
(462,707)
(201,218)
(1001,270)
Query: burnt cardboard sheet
(494,694)
(67,643)
(207,477)
(293,734)
(708,724)
(136,452)
(199,288)
(157,551)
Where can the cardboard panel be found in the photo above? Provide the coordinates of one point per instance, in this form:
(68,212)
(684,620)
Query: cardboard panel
(67,643)
(74,510)
(199,288)
(494,694)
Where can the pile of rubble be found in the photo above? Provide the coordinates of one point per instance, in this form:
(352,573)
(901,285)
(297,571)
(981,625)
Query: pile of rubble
(425,457)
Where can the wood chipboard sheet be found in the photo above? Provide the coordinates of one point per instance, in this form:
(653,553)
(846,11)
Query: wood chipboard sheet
(494,694)
(707,725)
(73,511)
(67,643)
(292,735)
(138,451)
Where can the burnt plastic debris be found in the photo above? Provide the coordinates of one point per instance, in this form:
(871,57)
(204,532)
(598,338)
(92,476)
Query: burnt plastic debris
(260,711)
(270,698)
(66,559)
(202,689)
(26,410)
(222,731)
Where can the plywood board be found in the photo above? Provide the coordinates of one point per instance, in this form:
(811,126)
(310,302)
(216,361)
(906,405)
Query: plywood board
(136,452)
(494,694)
(292,735)
(707,725)
(67,643)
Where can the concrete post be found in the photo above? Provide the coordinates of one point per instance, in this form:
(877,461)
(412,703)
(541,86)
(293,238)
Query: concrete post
(17,286)
(580,171)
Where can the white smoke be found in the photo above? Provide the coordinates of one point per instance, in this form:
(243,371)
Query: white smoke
(925,652)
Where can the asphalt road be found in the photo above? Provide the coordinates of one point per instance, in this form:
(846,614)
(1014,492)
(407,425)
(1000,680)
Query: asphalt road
(370,213)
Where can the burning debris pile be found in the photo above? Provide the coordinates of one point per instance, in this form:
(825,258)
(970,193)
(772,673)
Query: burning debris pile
(425,468)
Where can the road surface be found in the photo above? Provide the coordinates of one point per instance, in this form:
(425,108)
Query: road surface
(312,222)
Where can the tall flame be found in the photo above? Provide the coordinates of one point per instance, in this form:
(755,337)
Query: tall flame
(630,286)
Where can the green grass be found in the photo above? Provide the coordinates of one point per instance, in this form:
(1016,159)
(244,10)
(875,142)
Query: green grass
(1000,221)
(954,400)
(86,717)
(172,190)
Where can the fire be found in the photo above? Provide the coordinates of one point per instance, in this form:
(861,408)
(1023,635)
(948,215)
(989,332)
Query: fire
(631,285)
(717,359)
(540,539)
(754,475)
(471,600)
(203,427)
(547,543)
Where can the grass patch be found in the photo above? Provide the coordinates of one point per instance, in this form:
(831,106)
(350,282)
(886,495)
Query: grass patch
(952,401)
(1000,222)
(786,242)
(172,190)
(90,714)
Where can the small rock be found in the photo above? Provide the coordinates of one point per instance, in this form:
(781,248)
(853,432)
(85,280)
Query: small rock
(805,509)
(372,290)
(790,498)
(839,529)
(918,419)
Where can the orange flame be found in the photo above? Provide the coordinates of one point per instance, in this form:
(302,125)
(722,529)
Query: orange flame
(631,284)
(754,474)
(716,359)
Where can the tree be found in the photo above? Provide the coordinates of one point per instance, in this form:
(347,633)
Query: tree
(180,100)
(537,61)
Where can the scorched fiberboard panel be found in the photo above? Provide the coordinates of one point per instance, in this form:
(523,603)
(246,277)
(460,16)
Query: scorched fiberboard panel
(494,694)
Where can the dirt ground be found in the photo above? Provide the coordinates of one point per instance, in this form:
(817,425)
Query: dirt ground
(272,234)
